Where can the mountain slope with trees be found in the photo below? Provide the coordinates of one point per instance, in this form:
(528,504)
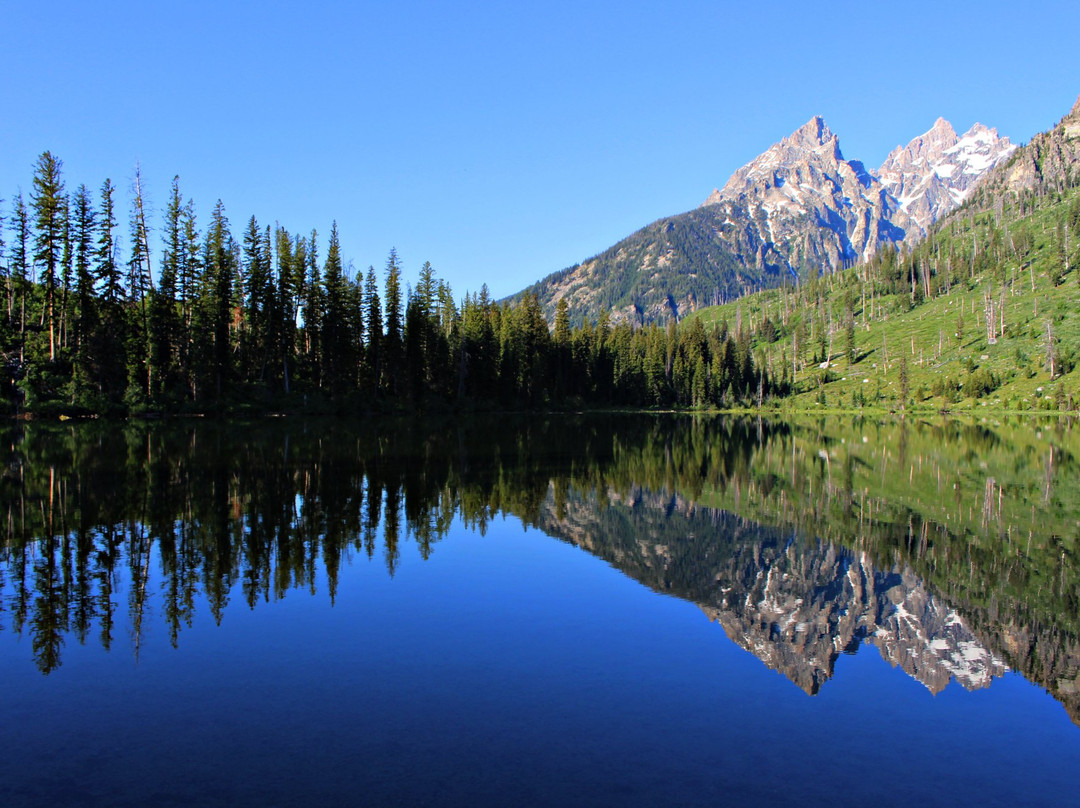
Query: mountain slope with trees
(981,312)
(798,210)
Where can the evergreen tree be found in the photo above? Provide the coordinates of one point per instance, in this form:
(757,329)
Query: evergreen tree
(219,273)
(374,328)
(259,303)
(286,303)
(108,342)
(139,286)
(18,272)
(313,313)
(393,345)
(84,225)
(189,279)
(164,321)
(335,345)
(421,334)
(67,267)
(47,201)
(107,272)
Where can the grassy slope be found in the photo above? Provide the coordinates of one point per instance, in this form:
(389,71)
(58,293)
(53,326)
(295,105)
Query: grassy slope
(926,333)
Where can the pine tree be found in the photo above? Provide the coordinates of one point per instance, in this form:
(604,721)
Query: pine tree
(47,201)
(189,278)
(139,286)
(84,225)
(335,341)
(219,274)
(164,322)
(259,302)
(313,312)
(421,333)
(107,272)
(374,327)
(287,304)
(19,269)
(393,346)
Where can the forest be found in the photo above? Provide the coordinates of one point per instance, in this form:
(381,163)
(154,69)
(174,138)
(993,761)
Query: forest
(181,316)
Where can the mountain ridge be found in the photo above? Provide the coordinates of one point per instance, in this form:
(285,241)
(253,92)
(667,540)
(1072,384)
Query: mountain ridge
(797,210)
(936,171)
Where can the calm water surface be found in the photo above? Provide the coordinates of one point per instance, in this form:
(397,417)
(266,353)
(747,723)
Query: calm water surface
(573,611)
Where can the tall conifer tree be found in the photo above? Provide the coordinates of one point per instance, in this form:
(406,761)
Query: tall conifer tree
(47,201)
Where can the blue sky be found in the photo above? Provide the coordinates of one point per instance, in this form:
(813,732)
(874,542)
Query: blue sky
(500,141)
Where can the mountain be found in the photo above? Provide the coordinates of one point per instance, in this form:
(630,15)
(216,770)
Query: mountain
(1049,162)
(666,269)
(801,185)
(935,172)
(797,210)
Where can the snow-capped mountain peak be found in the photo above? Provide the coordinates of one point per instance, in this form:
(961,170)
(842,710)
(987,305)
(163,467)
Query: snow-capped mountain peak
(934,173)
(801,203)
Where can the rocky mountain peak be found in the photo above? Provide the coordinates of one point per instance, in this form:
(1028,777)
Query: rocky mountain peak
(815,132)
(812,138)
(934,173)
(797,210)
(804,204)
(923,148)
(811,142)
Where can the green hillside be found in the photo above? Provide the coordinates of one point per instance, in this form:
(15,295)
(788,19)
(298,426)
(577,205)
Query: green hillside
(982,313)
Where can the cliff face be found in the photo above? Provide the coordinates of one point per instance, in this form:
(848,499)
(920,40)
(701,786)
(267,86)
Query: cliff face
(936,171)
(1049,162)
(801,203)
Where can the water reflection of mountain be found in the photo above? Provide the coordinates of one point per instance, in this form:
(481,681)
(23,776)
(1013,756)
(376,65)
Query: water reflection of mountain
(795,604)
(953,550)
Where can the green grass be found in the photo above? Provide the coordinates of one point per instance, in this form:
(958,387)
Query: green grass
(942,367)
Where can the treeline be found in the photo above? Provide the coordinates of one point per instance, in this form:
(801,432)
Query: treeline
(208,321)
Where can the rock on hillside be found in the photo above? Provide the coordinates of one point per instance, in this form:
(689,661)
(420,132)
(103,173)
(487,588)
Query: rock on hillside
(1049,162)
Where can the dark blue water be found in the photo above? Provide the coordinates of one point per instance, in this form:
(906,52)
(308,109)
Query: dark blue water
(510,668)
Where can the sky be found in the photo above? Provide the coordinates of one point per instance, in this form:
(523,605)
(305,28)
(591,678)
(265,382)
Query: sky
(499,141)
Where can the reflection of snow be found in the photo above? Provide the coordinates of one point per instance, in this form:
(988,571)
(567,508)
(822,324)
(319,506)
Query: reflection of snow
(800,611)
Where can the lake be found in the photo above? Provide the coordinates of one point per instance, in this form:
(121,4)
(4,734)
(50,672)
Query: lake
(575,610)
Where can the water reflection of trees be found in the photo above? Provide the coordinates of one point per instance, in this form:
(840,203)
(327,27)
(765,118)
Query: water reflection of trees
(173,519)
